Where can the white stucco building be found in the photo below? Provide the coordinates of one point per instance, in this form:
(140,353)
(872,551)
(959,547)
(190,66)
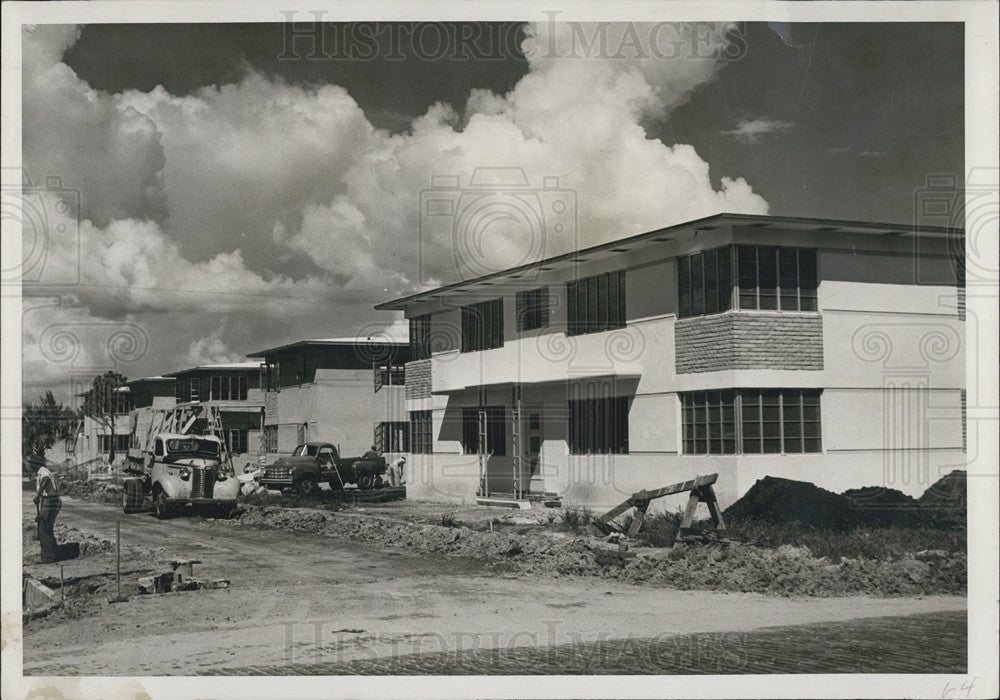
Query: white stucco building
(826,351)
(347,391)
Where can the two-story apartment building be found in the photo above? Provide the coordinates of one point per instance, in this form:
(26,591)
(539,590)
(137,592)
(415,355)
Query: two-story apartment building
(825,351)
(348,391)
(234,388)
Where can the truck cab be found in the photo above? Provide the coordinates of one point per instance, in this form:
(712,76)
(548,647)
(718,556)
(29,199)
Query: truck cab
(182,470)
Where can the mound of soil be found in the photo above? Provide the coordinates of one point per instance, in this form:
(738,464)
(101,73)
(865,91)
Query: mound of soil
(776,500)
(947,492)
(946,500)
(878,506)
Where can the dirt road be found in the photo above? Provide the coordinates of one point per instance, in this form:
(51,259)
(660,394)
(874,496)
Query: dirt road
(297,599)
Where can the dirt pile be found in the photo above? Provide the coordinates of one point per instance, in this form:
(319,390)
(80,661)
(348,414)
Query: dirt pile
(779,501)
(947,495)
(776,500)
(784,570)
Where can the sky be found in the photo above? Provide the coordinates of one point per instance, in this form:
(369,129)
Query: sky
(228,188)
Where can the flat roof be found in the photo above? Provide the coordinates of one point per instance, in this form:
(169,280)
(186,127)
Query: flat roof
(334,342)
(220,365)
(706,223)
(149,379)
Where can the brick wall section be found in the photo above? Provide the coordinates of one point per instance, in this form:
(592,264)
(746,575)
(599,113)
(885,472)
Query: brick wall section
(747,340)
(271,408)
(418,379)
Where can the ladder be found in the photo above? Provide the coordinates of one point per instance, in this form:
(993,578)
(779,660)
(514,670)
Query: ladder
(216,428)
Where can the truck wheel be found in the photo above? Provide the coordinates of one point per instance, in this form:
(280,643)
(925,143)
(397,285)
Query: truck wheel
(132,496)
(306,485)
(161,507)
(366,481)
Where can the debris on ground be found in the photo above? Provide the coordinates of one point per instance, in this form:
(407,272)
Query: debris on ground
(784,570)
(180,577)
(250,482)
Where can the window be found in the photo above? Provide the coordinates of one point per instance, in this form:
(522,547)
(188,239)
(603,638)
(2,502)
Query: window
(225,388)
(121,443)
(770,421)
(389,375)
(123,402)
(270,438)
(420,337)
(709,419)
(273,372)
(158,448)
(421,433)
(195,385)
(704,282)
(768,278)
(772,277)
(598,426)
(496,430)
(236,440)
(532,309)
(482,326)
(596,303)
(392,437)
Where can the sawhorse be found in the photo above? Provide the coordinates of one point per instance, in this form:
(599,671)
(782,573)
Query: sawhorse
(701,492)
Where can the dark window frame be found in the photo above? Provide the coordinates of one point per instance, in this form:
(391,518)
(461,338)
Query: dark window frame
(777,278)
(270,438)
(532,308)
(482,325)
(596,303)
(760,421)
(496,430)
(421,432)
(237,438)
(420,337)
(598,425)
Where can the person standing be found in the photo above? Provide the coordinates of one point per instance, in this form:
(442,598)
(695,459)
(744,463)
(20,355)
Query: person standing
(49,504)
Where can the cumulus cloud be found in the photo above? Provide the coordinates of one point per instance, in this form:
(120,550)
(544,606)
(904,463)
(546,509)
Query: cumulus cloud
(283,207)
(211,349)
(751,131)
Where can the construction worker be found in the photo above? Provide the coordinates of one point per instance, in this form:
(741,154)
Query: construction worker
(396,471)
(48,506)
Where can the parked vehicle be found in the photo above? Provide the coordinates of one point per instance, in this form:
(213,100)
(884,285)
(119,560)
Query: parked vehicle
(313,463)
(181,470)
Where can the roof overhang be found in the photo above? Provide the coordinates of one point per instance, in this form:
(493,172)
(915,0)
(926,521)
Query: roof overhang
(335,342)
(562,381)
(514,276)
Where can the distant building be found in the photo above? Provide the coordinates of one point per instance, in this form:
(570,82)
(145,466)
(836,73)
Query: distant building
(94,439)
(234,388)
(826,351)
(148,396)
(348,391)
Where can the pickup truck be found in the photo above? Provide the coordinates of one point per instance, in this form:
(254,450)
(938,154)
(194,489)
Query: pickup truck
(314,462)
